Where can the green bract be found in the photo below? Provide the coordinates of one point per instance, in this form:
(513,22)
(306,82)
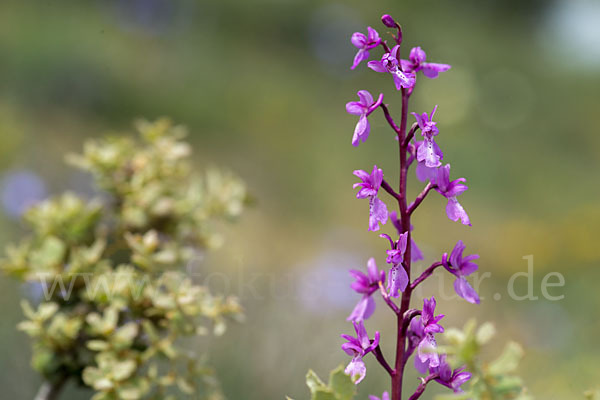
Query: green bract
(115,296)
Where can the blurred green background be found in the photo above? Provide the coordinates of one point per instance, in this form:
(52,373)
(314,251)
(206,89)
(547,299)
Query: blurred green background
(262,85)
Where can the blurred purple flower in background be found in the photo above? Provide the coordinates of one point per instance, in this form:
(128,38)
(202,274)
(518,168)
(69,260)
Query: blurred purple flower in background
(20,189)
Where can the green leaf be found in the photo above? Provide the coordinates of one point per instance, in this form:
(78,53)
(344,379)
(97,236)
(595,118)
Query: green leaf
(341,384)
(314,382)
(323,394)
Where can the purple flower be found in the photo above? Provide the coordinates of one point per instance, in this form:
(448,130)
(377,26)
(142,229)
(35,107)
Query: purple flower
(364,107)
(398,276)
(364,44)
(368,189)
(461,267)
(426,348)
(389,64)
(451,190)
(384,396)
(416,63)
(358,347)
(365,285)
(415,253)
(428,151)
(447,377)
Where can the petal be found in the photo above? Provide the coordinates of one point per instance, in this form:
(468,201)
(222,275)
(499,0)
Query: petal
(402,242)
(359,40)
(366,99)
(431,70)
(372,36)
(355,108)
(361,131)
(360,56)
(466,291)
(377,176)
(356,369)
(407,66)
(361,174)
(377,213)
(415,253)
(394,52)
(456,255)
(421,366)
(363,309)
(424,173)
(398,280)
(455,211)
(417,55)
(372,270)
(377,66)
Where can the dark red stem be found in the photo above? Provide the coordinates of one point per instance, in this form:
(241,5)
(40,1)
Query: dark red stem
(427,273)
(422,386)
(379,356)
(386,186)
(420,197)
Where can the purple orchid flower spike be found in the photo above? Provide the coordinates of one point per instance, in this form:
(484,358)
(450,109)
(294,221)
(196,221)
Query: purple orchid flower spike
(415,252)
(384,396)
(447,377)
(363,108)
(428,152)
(450,190)
(398,277)
(364,44)
(358,347)
(369,188)
(462,267)
(389,64)
(416,63)
(366,285)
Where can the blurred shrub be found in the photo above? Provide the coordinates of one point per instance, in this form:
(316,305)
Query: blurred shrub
(111,270)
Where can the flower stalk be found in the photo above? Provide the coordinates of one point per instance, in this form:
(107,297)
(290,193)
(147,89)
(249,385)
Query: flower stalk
(416,328)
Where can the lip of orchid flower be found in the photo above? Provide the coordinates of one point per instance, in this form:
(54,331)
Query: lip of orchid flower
(364,43)
(389,64)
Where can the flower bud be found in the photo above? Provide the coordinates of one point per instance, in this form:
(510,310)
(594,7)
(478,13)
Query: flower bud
(388,21)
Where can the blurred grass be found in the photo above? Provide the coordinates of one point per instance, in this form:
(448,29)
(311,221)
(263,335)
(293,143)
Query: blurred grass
(262,86)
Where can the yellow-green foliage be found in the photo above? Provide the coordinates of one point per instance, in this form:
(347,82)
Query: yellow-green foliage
(116,298)
(493,380)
